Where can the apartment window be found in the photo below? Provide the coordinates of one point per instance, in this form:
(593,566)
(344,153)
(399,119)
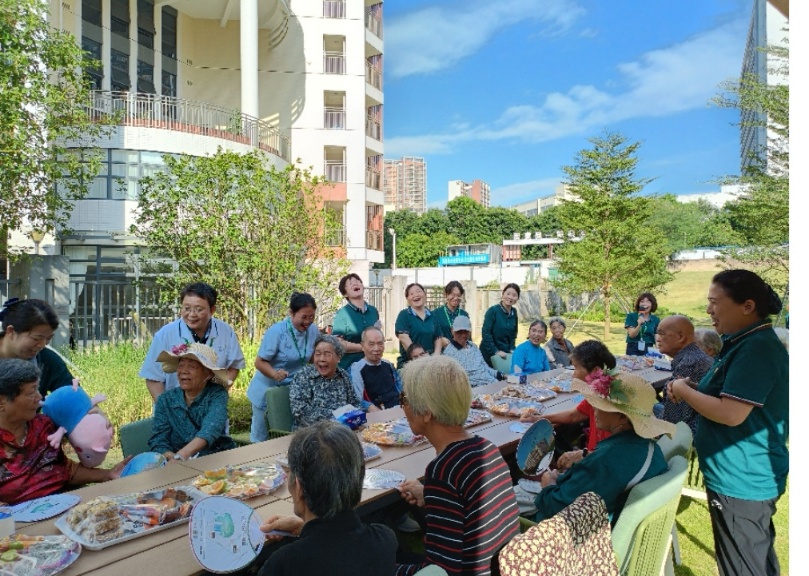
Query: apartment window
(91,11)
(334,54)
(93,51)
(335,164)
(169,37)
(121,172)
(334,110)
(145,77)
(119,62)
(334,9)
(119,17)
(146,29)
(169,84)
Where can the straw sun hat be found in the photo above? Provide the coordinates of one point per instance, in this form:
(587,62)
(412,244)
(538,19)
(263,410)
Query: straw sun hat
(628,394)
(203,354)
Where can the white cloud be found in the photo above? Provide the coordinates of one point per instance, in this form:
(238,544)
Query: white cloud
(512,194)
(437,37)
(660,82)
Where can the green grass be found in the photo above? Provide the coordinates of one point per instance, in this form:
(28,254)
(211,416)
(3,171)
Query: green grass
(113,370)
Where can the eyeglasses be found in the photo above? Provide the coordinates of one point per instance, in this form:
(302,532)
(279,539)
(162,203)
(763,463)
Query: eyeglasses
(195,310)
(403,401)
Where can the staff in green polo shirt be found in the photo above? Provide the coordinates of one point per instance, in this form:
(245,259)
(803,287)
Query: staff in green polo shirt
(446,314)
(415,324)
(742,433)
(353,318)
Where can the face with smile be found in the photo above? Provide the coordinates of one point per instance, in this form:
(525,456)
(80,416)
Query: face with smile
(510,297)
(303,318)
(558,331)
(26,345)
(191,375)
(354,288)
(373,345)
(454,299)
(24,406)
(196,313)
(461,336)
(325,360)
(644,306)
(416,297)
(537,334)
(728,316)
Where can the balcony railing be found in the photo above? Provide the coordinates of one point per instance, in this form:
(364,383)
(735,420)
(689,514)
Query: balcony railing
(335,237)
(334,171)
(152,111)
(373,128)
(334,63)
(334,9)
(374,240)
(373,76)
(334,118)
(374,24)
(373,179)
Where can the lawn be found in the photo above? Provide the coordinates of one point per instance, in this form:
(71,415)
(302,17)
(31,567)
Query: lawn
(113,370)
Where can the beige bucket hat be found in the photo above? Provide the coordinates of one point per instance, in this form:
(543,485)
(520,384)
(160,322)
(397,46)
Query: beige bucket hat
(628,394)
(203,354)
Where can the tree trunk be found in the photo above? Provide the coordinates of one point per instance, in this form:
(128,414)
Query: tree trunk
(606,317)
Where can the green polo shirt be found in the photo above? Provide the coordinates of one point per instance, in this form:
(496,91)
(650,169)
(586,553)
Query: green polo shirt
(444,319)
(422,331)
(749,461)
(499,331)
(349,322)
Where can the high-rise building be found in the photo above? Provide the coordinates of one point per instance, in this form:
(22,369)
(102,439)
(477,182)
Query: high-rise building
(477,190)
(534,207)
(189,77)
(405,182)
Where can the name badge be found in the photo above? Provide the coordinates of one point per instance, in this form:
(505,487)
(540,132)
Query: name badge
(641,346)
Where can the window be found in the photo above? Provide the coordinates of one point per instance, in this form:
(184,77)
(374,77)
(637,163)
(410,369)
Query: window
(145,77)
(169,84)
(93,50)
(119,17)
(120,70)
(146,29)
(91,11)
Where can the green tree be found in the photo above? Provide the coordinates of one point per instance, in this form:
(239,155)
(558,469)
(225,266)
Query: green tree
(42,110)
(253,232)
(761,216)
(620,254)
(415,250)
(403,222)
(686,225)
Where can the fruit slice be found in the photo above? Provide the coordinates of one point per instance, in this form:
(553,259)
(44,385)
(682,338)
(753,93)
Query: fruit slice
(217,487)
(219,474)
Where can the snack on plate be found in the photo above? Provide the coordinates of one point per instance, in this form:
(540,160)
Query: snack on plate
(482,401)
(560,383)
(36,555)
(527,392)
(241,482)
(629,363)
(516,407)
(391,434)
(97,520)
(159,508)
(477,417)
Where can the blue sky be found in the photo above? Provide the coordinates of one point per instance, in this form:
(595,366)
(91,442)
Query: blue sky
(509,91)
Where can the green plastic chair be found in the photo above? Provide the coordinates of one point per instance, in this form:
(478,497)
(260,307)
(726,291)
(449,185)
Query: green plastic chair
(431,570)
(680,445)
(642,536)
(502,364)
(279,413)
(135,436)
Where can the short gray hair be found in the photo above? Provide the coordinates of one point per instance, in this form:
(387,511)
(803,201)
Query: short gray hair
(438,385)
(708,339)
(559,320)
(14,374)
(335,343)
(327,459)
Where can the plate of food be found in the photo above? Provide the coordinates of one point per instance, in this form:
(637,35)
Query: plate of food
(527,392)
(516,407)
(559,383)
(629,363)
(394,433)
(241,482)
(36,555)
(107,520)
(477,417)
(377,479)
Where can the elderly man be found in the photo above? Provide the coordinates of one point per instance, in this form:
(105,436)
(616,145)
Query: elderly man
(468,355)
(375,380)
(675,337)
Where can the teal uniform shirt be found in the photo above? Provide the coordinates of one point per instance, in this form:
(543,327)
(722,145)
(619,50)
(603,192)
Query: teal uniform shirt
(606,471)
(444,319)
(647,330)
(421,331)
(749,461)
(499,331)
(349,322)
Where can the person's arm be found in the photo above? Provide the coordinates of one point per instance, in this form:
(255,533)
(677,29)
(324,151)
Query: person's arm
(724,410)
(266,368)
(151,370)
(233,373)
(299,399)
(84,475)
(189,450)
(518,359)
(155,388)
(397,379)
(512,339)
(160,440)
(633,324)
(402,329)
(544,364)
(214,421)
(487,347)
(359,385)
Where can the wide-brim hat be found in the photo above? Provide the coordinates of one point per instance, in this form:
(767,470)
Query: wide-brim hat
(633,397)
(203,354)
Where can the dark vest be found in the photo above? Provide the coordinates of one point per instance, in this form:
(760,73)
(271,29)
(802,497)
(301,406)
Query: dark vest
(380,386)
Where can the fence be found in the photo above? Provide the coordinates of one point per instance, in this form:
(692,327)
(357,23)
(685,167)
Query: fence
(5,285)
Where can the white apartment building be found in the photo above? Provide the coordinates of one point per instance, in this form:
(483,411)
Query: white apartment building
(295,79)
(405,184)
(477,190)
(534,207)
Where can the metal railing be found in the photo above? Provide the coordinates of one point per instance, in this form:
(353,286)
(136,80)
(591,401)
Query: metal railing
(373,179)
(334,118)
(334,63)
(334,171)
(335,237)
(373,76)
(334,9)
(373,128)
(373,24)
(153,111)
(374,240)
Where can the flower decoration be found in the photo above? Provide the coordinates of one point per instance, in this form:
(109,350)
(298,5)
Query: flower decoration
(179,349)
(606,384)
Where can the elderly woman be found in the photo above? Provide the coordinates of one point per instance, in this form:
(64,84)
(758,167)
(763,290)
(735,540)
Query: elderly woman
(286,347)
(558,347)
(623,407)
(190,420)
(708,341)
(462,349)
(743,430)
(321,387)
(467,497)
(27,328)
(326,469)
(499,333)
(641,325)
(415,324)
(31,466)
(529,356)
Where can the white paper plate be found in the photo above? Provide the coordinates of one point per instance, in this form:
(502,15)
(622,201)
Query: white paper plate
(531,486)
(370,451)
(378,479)
(45,558)
(44,508)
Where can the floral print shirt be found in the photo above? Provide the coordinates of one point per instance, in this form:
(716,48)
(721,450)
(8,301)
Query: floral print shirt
(313,397)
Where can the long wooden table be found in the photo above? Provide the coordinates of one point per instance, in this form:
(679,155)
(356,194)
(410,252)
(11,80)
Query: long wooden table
(168,551)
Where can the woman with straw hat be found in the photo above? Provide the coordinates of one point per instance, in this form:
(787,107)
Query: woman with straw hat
(623,406)
(190,420)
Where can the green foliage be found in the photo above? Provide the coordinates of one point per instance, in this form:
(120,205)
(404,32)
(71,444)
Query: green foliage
(253,232)
(419,250)
(41,110)
(620,253)
(686,225)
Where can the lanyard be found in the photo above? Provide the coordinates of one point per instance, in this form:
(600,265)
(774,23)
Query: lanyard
(302,355)
(455,315)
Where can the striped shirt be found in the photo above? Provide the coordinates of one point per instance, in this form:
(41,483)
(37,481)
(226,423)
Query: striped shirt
(470,508)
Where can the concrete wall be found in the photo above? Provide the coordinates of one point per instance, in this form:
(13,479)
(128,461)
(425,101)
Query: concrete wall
(45,278)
